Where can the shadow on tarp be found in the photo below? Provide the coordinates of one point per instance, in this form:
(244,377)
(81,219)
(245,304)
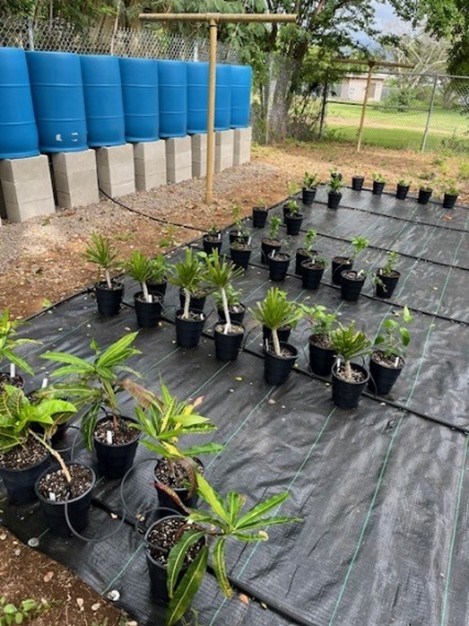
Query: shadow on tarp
(382,492)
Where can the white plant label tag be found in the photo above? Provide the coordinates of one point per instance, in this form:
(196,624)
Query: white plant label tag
(12,370)
(109,437)
(45,382)
(52,496)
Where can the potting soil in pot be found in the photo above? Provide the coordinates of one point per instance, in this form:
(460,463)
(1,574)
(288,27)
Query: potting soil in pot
(163,537)
(55,482)
(123,434)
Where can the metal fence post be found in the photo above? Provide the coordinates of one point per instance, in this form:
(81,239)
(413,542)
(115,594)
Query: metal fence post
(429,115)
(31,33)
(322,118)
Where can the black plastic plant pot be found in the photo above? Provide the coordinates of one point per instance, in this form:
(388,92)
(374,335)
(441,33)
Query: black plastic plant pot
(196,304)
(389,284)
(77,508)
(210,243)
(424,196)
(267,247)
(286,213)
(188,331)
(338,265)
(346,395)
(278,368)
(378,188)
(300,257)
(308,195)
(449,200)
(109,300)
(283,334)
(351,285)
(148,313)
(278,266)
(16,381)
(259,217)
(227,346)
(402,191)
(333,199)
(235,236)
(166,503)
(294,223)
(114,460)
(19,483)
(240,257)
(158,289)
(321,359)
(235,316)
(382,378)
(311,275)
(357,182)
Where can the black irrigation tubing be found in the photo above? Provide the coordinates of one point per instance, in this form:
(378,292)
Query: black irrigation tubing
(395,217)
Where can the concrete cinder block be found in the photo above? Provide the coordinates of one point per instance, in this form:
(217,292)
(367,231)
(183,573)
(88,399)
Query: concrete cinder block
(3,212)
(242,145)
(116,172)
(224,150)
(27,188)
(199,156)
(75,178)
(150,164)
(178,159)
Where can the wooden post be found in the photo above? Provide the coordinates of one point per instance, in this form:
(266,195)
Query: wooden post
(211,112)
(429,115)
(365,103)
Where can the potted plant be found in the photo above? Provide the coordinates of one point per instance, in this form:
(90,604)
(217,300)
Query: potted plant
(306,251)
(188,275)
(158,280)
(425,193)
(294,218)
(240,232)
(212,240)
(310,184)
(321,352)
(378,184)
(259,214)
(334,195)
(387,359)
(25,454)
(275,312)
(351,282)
(271,242)
(93,386)
(109,292)
(341,263)
(162,421)
(293,191)
(312,271)
(450,196)
(348,379)
(279,260)
(147,305)
(387,277)
(402,189)
(357,182)
(9,345)
(177,576)
(335,174)
(228,336)
(235,306)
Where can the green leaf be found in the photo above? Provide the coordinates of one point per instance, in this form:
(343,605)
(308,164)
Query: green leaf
(208,448)
(187,588)
(177,556)
(212,498)
(259,510)
(234,503)
(270,521)
(405,336)
(9,609)
(220,567)
(65,357)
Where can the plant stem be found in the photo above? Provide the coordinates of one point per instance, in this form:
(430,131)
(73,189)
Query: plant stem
(108,278)
(226,310)
(146,295)
(54,453)
(348,371)
(276,342)
(187,303)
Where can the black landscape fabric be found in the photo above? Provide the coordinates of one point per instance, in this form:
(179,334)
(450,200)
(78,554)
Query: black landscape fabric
(382,490)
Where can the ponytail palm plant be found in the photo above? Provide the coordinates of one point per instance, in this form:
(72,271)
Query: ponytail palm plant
(188,275)
(140,268)
(275,312)
(219,275)
(349,343)
(101,252)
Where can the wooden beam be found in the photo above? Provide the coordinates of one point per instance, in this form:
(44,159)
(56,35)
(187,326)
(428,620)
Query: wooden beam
(218,17)
(372,62)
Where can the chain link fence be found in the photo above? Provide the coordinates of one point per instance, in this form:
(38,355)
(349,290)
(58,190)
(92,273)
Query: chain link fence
(411,111)
(60,36)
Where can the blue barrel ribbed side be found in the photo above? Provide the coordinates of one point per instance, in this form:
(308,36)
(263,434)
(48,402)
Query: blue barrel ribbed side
(103,100)
(223,98)
(57,90)
(140,96)
(18,132)
(197,97)
(172,79)
(241,80)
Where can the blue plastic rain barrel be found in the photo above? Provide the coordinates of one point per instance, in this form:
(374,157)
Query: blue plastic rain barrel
(223,98)
(18,132)
(57,89)
(197,97)
(103,100)
(172,79)
(140,96)
(241,80)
